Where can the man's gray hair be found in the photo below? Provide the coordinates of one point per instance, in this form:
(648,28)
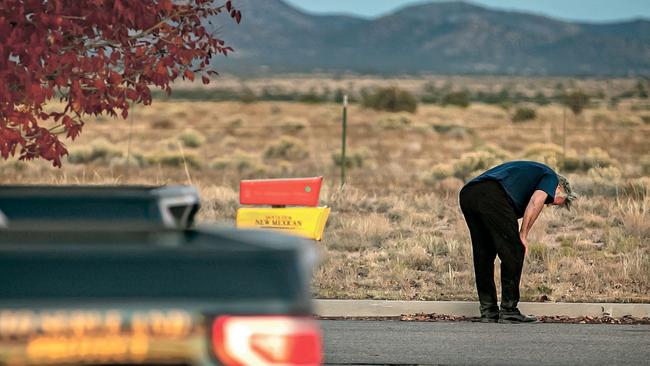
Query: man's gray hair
(567,192)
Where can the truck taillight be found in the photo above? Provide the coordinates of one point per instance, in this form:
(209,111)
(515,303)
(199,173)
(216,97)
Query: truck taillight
(267,340)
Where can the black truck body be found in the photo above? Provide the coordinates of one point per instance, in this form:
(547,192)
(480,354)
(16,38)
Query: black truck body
(152,294)
(99,206)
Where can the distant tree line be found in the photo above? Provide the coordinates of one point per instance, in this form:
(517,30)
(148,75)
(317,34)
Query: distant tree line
(396,99)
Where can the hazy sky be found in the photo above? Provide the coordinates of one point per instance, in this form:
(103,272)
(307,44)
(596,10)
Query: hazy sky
(584,10)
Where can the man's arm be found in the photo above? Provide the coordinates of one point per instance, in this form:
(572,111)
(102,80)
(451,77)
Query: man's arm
(535,206)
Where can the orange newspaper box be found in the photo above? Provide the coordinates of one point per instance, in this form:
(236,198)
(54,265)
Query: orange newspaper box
(280,192)
(308,222)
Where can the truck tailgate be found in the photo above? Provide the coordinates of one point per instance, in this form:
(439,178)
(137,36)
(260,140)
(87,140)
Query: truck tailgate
(141,297)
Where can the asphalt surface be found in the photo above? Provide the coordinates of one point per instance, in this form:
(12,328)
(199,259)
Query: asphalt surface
(465,343)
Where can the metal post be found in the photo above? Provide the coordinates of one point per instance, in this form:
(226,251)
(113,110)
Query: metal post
(344,138)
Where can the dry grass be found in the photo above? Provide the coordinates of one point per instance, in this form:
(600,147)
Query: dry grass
(396,231)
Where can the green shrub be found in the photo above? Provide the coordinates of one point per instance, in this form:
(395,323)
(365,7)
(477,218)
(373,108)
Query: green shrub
(444,128)
(497,97)
(537,252)
(540,149)
(439,172)
(353,159)
(135,160)
(312,97)
(645,118)
(198,94)
(192,138)
(498,153)
(174,159)
(235,122)
(287,148)
(339,94)
(475,162)
(246,164)
(645,164)
(549,154)
(275,109)
(593,158)
(576,101)
(163,124)
(571,163)
(641,90)
(541,99)
(453,131)
(247,96)
(12,163)
(568,252)
(544,289)
(596,158)
(449,185)
(523,114)
(394,122)
(599,181)
(391,100)
(470,163)
(631,122)
(430,94)
(80,155)
(601,118)
(293,125)
(606,180)
(638,187)
(99,150)
(460,99)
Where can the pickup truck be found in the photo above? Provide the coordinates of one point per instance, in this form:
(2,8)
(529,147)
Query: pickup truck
(85,293)
(98,206)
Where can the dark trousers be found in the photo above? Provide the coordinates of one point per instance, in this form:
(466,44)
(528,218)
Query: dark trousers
(494,230)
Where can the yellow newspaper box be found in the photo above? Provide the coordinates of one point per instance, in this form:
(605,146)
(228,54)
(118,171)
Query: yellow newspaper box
(305,221)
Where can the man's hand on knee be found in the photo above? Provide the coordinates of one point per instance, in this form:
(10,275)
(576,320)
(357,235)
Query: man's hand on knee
(524,241)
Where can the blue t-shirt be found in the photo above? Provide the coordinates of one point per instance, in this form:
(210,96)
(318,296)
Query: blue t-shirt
(520,179)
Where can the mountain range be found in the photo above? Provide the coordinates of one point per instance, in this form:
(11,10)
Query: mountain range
(436,37)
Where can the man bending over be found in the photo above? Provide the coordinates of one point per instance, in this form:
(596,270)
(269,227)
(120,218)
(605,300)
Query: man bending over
(492,203)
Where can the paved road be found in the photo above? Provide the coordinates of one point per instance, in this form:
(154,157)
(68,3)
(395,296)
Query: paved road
(466,343)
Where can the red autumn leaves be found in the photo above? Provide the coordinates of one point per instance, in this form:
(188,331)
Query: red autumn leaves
(95,56)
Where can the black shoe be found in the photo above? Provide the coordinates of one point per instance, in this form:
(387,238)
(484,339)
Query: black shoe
(515,316)
(489,318)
